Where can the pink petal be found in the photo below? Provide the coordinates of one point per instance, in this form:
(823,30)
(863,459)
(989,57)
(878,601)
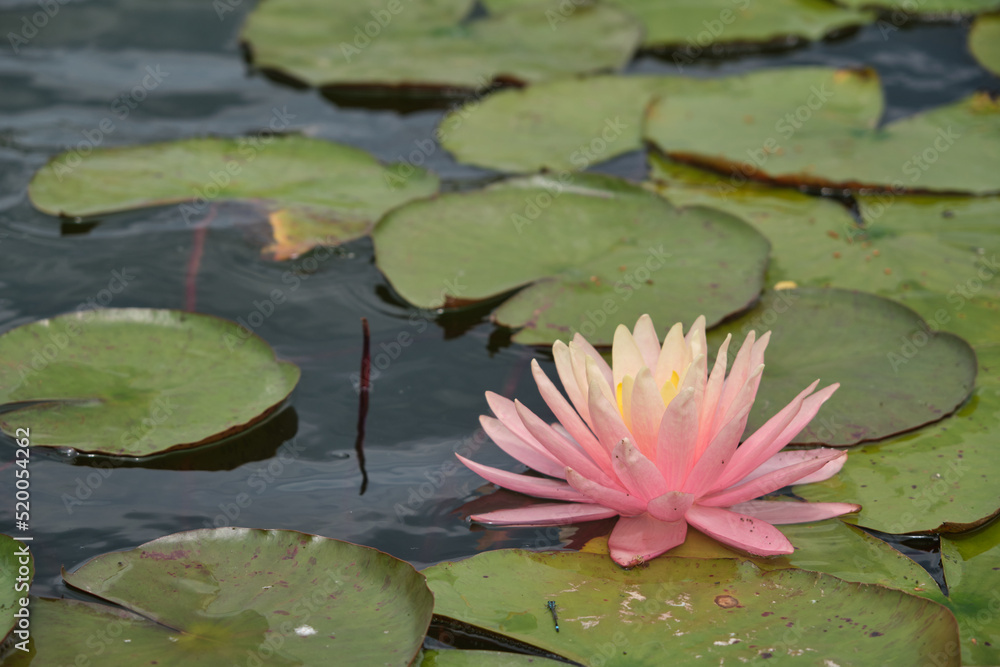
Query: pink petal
(772,481)
(677,437)
(591,353)
(637,473)
(743,398)
(605,419)
(620,502)
(533,486)
(778,512)
(568,453)
(568,417)
(739,531)
(647,341)
(711,462)
(545,514)
(595,379)
(647,410)
(738,376)
(671,506)
(785,458)
(713,388)
(777,432)
(530,454)
(695,337)
(641,538)
(673,355)
(626,359)
(567,375)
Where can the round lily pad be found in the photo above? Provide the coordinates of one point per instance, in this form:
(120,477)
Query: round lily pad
(895,374)
(942,477)
(820,128)
(223,596)
(585,253)
(435,43)
(694,610)
(137,381)
(17,569)
(313,192)
(984,41)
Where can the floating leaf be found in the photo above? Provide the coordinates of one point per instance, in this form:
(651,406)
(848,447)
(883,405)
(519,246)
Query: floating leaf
(903,12)
(894,373)
(819,128)
(137,381)
(984,41)
(434,44)
(693,610)
(586,254)
(943,477)
(971,566)
(695,27)
(830,547)
(313,191)
(215,597)
(17,569)
(483,659)
(558,125)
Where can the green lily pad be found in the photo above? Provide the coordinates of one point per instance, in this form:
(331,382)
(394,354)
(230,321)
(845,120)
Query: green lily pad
(971,568)
(895,374)
(943,477)
(809,127)
(903,12)
(984,41)
(137,381)
(16,574)
(693,610)
(434,44)
(830,547)
(585,253)
(313,192)
(559,125)
(214,597)
(694,27)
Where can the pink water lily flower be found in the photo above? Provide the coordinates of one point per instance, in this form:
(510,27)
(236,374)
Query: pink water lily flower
(655,440)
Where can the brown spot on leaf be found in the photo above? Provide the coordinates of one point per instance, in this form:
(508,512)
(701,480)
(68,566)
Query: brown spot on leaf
(726,601)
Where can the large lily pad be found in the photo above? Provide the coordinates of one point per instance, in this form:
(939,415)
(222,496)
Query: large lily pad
(215,597)
(895,374)
(17,569)
(694,27)
(984,41)
(942,477)
(971,567)
(137,381)
(434,43)
(586,253)
(809,127)
(694,610)
(312,191)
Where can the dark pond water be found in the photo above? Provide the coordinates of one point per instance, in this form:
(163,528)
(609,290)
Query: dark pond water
(93,61)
